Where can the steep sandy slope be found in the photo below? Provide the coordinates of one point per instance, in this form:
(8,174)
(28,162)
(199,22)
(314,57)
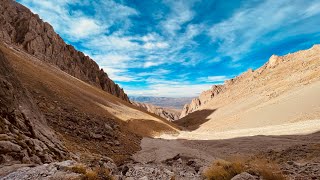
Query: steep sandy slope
(286,89)
(89,120)
(166,113)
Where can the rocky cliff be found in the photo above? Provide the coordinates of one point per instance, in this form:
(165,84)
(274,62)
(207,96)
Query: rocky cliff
(202,99)
(22,28)
(24,134)
(253,76)
(168,114)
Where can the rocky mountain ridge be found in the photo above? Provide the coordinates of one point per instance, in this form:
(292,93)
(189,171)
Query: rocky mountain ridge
(22,28)
(168,114)
(273,62)
(166,102)
(203,98)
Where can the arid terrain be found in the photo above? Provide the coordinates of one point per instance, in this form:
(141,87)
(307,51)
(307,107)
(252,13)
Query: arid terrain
(62,117)
(166,113)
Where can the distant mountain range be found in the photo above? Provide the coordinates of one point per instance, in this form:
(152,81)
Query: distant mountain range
(168,102)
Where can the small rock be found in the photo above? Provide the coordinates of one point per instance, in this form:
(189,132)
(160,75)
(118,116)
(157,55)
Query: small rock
(107,127)
(144,178)
(7,146)
(124,170)
(244,176)
(117,143)
(290,162)
(191,163)
(96,136)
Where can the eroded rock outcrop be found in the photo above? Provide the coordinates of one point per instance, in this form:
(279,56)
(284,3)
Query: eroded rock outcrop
(20,27)
(168,114)
(24,134)
(202,99)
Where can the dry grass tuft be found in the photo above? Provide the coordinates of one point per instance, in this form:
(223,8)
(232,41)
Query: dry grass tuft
(224,170)
(79,168)
(91,175)
(269,170)
(98,173)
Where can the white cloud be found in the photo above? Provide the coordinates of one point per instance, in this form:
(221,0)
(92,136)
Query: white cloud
(170,90)
(85,27)
(119,75)
(213,79)
(217,78)
(104,43)
(159,72)
(181,13)
(149,64)
(157,45)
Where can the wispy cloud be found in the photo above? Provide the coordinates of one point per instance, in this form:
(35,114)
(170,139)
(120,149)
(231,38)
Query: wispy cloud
(170,90)
(214,79)
(251,25)
(178,47)
(181,12)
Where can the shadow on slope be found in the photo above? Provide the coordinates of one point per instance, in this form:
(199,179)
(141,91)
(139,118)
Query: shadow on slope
(147,128)
(281,149)
(194,120)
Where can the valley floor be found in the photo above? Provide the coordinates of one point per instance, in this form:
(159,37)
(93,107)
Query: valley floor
(288,151)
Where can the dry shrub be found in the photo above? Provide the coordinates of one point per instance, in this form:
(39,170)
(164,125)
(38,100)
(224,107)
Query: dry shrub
(224,170)
(79,168)
(104,173)
(98,173)
(91,175)
(269,170)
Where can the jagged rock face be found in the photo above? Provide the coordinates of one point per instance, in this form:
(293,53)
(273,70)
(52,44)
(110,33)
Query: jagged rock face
(274,61)
(24,134)
(204,97)
(20,27)
(168,114)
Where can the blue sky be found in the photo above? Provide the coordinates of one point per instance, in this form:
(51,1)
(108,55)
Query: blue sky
(180,48)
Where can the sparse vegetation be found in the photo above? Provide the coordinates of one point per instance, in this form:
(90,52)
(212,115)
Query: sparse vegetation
(98,173)
(269,170)
(79,168)
(90,175)
(225,170)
